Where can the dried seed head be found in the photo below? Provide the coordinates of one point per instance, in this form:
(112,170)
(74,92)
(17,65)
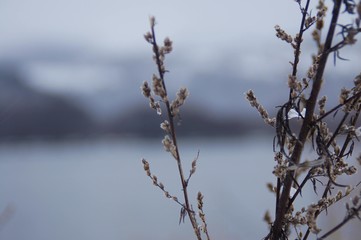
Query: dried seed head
(167,143)
(280,33)
(200,200)
(146,167)
(351,170)
(168,46)
(267,218)
(251,98)
(309,21)
(321,104)
(194,167)
(271,188)
(155,180)
(262,111)
(145,89)
(167,195)
(165,126)
(158,87)
(148,37)
(155,105)
(293,83)
(182,94)
(311,218)
(152,21)
(357,82)
(348,190)
(312,71)
(169,146)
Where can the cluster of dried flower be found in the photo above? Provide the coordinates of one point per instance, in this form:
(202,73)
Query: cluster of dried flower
(262,111)
(202,215)
(170,141)
(169,146)
(331,146)
(280,33)
(281,168)
(182,94)
(155,181)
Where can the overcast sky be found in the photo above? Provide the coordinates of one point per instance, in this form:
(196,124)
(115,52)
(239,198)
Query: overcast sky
(118,25)
(203,31)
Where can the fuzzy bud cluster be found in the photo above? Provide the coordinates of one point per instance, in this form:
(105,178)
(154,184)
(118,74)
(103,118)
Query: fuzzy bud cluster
(280,33)
(357,82)
(169,146)
(146,91)
(281,168)
(344,95)
(262,111)
(182,94)
(165,126)
(158,87)
(311,217)
(294,84)
(321,105)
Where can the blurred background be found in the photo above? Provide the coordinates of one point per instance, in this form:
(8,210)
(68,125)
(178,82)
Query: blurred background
(74,125)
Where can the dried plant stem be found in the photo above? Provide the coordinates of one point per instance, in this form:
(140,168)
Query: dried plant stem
(328,185)
(338,226)
(161,72)
(300,34)
(277,231)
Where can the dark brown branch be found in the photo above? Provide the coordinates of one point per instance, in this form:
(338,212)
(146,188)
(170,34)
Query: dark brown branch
(338,226)
(306,126)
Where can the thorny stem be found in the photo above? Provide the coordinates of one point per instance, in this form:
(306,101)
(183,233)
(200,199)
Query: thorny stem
(277,229)
(190,212)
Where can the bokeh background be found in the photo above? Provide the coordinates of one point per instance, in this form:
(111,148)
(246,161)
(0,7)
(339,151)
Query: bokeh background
(74,125)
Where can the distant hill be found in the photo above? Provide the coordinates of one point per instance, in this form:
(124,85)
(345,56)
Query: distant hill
(26,112)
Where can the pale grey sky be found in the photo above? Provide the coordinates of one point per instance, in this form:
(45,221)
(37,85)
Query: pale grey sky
(240,33)
(117,25)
